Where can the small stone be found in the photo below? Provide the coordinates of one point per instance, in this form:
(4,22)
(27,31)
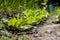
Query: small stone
(0,28)
(19,33)
(40,38)
(2,31)
(29,32)
(0,34)
(35,31)
(35,35)
(48,31)
(35,27)
(9,35)
(58,33)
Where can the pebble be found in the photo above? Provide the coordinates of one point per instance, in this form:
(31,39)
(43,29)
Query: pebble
(34,31)
(35,27)
(9,35)
(48,31)
(19,33)
(35,35)
(0,34)
(58,33)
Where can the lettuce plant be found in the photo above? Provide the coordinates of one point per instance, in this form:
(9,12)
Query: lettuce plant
(29,18)
(57,13)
